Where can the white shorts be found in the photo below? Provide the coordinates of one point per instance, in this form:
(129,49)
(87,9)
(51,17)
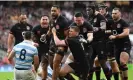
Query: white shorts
(69,60)
(24,75)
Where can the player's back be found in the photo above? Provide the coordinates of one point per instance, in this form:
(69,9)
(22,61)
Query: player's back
(24,53)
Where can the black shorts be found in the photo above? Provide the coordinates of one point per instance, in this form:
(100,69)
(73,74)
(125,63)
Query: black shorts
(43,57)
(110,48)
(55,50)
(89,52)
(80,69)
(125,47)
(60,52)
(52,48)
(99,48)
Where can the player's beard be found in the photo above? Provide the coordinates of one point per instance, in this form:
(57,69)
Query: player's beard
(23,22)
(115,19)
(44,25)
(54,17)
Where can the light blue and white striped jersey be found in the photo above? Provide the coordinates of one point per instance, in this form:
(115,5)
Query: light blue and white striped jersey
(24,54)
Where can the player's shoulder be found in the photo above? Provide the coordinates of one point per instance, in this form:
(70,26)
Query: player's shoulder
(86,23)
(37,27)
(108,16)
(17,45)
(100,17)
(122,21)
(73,38)
(29,25)
(73,24)
(63,18)
(15,25)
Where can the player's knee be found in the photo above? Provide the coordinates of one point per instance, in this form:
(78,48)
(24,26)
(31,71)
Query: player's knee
(123,67)
(114,66)
(62,72)
(124,57)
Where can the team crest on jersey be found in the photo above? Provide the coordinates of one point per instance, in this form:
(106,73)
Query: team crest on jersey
(95,20)
(57,27)
(28,27)
(118,25)
(84,30)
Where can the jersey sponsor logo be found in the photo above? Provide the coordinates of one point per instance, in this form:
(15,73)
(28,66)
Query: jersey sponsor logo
(57,27)
(23,33)
(28,27)
(118,25)
(84,30)
(43,38)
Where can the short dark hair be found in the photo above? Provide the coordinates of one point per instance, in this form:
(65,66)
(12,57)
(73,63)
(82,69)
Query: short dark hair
(45,15)
(27,35)
(56,6)
(75,28)
(117,9)
(78,14)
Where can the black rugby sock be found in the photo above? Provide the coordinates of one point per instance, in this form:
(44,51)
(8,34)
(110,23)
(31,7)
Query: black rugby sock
(69,77)
(98,72)
(116,76)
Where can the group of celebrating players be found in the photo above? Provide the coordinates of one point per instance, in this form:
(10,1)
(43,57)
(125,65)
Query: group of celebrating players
(102,41)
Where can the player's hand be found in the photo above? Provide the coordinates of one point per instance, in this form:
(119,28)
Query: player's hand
(34,71)
(53,30)
(96,12)
(8,51)
(112,37)
(95,29)
(36,44)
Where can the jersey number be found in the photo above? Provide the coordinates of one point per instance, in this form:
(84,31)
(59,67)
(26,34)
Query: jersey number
(22,54)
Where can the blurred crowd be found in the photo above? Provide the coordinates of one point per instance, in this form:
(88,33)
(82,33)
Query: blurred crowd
(9,12)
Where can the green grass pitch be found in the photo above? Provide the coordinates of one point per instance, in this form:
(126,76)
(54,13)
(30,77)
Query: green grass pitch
(10,75)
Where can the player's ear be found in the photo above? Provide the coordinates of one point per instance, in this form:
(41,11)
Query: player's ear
(19,18)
